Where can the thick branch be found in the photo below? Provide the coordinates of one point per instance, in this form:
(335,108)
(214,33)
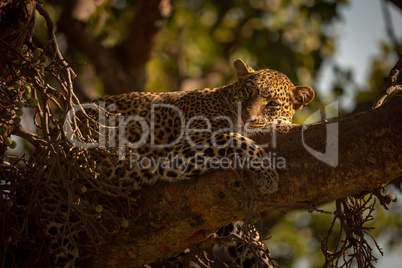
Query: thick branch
(173,216)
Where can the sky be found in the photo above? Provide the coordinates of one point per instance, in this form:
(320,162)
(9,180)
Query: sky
(359,32)
(364,26)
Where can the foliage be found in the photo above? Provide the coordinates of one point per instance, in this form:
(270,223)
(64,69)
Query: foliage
(202,38)
(290,36)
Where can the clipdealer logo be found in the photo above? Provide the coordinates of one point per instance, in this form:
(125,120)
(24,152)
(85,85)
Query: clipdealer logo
(148,131)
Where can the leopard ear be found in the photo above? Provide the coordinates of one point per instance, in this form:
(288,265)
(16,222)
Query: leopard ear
(242,69)
(302,96)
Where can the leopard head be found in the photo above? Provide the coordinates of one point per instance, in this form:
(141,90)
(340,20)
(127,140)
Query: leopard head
(268,96)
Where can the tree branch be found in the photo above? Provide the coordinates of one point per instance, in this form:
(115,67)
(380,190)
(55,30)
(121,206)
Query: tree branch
(390,84)
(170,217)
(122,68)
(32,138)
(115,79)
(136,49)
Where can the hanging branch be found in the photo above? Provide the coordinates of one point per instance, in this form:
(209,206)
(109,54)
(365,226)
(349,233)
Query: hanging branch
(390,84)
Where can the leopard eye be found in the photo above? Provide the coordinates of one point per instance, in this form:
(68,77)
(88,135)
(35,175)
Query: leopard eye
(272,104)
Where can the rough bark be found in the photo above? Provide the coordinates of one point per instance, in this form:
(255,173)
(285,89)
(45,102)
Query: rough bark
(122,68)
(173,216)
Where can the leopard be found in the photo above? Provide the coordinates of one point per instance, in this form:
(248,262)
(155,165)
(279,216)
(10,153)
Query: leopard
(216,122)
(188,130)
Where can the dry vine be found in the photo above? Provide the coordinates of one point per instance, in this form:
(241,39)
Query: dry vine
(353,214)
(57,180)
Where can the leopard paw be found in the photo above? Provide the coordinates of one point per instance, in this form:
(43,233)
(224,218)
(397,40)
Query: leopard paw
(267,180)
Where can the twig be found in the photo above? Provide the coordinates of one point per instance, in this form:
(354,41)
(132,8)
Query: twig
(349,212)
(385,200)
(52,39)
(390,85)
(32,138)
